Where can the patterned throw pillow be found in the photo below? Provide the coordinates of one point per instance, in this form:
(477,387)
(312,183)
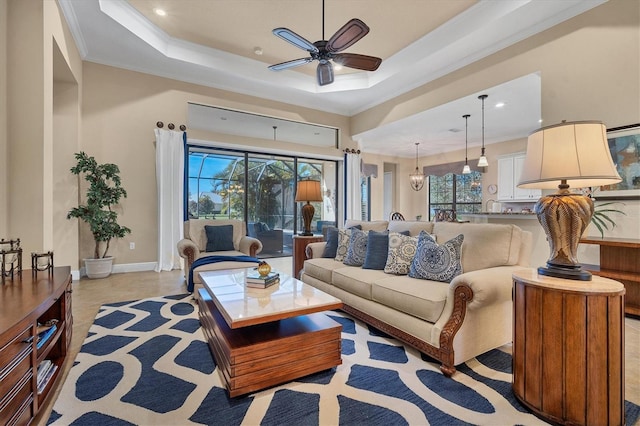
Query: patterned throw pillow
(343,242)
(402,248)
(357,250)
(437,262)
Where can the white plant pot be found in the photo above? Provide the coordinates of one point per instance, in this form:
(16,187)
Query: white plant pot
(98,268)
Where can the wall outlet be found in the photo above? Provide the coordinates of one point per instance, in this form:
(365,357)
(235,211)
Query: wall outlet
(132,246)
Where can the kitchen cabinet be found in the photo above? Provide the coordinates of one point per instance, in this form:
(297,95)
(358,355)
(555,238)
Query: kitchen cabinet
(509,170)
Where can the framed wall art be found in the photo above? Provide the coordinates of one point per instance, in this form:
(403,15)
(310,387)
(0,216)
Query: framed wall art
(624,145)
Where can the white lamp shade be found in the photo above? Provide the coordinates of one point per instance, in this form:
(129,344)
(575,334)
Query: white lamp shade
(577,152)
(308,190)
(466,169)
(482,161)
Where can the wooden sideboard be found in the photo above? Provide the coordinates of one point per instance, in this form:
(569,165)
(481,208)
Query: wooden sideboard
(619,260)
(25,302)
(568,348)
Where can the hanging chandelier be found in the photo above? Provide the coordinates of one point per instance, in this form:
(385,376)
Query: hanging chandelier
(482,161)
(466,169)
(416,178)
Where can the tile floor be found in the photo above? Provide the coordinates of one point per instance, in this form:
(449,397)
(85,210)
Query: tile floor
(89,295)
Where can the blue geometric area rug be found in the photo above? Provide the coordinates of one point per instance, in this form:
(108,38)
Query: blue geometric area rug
(146,363)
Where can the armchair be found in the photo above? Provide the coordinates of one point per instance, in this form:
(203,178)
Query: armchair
(194,245)
(271,239)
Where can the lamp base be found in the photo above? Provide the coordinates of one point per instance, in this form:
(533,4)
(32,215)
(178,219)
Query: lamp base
(567,272)
(307,211)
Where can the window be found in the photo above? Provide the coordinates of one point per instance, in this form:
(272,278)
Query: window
(461,193)
(259,189)
(365,197)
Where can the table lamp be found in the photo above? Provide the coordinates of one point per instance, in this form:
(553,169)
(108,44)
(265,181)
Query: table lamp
(567,154)
(308,190)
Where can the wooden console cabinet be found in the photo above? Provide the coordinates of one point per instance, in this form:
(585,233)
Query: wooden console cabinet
(619,260)
(568,348)
(25,302)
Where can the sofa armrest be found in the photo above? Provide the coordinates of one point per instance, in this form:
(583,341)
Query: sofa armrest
(491,285)
(188,250)
(315,250)
(250,246)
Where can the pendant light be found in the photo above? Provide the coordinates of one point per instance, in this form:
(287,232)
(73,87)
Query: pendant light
(466,169)
(482,162)
(416,178)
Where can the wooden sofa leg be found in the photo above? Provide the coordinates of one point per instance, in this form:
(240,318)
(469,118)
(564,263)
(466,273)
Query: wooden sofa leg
(447,370)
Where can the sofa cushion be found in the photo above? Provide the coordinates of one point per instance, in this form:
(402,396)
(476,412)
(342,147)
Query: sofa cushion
(219,238)
(373,225)
(413,226)
(356,280)
(357,249)
(331,247)
(321,268)
(402,249)
(421,299)
(437,262)
(486,245)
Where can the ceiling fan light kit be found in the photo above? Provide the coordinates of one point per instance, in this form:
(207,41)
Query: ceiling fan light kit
(326,51)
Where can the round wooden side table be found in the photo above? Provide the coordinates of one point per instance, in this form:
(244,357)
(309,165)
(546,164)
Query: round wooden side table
(568,348)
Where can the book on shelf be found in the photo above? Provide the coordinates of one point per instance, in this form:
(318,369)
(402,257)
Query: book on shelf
(43,369)
(255,278)
(44,334)
(45,380)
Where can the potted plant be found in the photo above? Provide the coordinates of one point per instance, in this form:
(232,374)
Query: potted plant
(104,192)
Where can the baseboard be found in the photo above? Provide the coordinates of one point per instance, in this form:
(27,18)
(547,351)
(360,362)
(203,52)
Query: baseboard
(119,269)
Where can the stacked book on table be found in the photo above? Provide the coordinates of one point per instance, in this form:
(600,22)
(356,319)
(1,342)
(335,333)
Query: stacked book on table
(255,280)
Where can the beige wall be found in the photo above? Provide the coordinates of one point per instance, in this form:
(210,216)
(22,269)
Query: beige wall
(589,67)
(4,225)
(120,111)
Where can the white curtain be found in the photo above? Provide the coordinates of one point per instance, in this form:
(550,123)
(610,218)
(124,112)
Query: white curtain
(354,199)
(169,176)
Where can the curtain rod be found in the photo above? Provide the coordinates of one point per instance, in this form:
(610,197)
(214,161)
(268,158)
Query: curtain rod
(171,126)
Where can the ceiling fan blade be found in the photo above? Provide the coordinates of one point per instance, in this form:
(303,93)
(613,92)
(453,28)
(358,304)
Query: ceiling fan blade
(290,64)
(324,73)
(293,38)
(346,36)
(361,62)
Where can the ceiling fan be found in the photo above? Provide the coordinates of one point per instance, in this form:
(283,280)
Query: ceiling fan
(326,51)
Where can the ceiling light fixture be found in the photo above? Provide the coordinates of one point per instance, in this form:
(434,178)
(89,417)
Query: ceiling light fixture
(416,178)
(482,161)
(466,169)
(499,104)
(160,12)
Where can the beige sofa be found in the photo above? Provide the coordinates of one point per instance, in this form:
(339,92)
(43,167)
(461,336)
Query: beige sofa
(451,322)
(193,247)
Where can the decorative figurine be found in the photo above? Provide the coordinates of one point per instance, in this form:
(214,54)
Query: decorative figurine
(264,268)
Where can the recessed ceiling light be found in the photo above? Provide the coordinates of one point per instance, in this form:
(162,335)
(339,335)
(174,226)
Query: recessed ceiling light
(223,118)
(499,104)
(337,67)
(454,130)
(257,50)
(160,12)
(540,121)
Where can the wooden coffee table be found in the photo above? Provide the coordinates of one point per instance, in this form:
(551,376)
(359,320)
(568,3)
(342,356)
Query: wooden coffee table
(264,337)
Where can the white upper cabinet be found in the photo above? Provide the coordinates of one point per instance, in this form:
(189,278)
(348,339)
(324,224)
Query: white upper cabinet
(509,170)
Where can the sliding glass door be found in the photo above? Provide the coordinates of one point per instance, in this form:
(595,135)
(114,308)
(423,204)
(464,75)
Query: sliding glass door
(259,189)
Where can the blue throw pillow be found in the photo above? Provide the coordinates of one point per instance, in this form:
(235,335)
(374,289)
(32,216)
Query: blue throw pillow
(331,247)
(377,249)
(437,262)
(219,238)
